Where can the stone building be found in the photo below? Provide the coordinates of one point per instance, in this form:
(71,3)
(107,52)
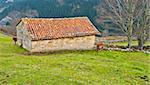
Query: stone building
(40,34)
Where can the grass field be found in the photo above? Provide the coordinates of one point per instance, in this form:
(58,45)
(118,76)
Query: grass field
(134,43)
(71,67)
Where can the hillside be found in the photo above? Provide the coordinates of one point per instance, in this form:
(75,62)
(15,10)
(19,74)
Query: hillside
(18,67)
(47,8)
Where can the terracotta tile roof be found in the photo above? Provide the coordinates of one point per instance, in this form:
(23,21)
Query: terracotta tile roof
(41,29)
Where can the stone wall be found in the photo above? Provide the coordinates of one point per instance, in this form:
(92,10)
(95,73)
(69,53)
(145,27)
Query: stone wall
(23,37)
(112,39)
(76,43)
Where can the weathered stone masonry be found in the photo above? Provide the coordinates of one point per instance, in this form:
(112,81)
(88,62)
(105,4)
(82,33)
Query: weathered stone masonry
(75,43)
(23,37)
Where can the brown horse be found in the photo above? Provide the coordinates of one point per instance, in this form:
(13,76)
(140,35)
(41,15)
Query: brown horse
(15,40)
(100,46)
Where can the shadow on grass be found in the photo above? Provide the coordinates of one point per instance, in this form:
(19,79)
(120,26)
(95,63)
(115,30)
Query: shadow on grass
(57,52)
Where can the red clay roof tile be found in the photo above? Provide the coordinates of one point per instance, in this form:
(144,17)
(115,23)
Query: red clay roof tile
(41,29)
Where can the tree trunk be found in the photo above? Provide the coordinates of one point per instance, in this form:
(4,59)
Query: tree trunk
(130,29)
(129,37)
(140,42)
(129,41)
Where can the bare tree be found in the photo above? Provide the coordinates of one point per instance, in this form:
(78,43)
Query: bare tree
(121,13)
(142,24)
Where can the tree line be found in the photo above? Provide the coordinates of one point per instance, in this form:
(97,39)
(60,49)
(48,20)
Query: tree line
(132,17)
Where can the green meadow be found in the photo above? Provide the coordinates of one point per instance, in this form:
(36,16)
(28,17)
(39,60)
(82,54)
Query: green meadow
(18,67)
(134,43)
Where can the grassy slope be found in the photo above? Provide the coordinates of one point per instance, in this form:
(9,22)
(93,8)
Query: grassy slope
(74,67)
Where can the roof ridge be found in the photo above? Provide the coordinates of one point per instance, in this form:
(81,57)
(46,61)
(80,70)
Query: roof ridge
(55,18)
